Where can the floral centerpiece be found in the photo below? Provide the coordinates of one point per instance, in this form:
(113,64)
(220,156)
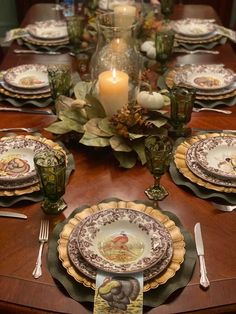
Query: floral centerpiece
(124,132)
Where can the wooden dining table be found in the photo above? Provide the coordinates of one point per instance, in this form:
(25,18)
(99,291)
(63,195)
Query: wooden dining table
(97,176)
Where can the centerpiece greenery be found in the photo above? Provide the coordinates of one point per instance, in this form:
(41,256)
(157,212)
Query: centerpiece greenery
(124,132)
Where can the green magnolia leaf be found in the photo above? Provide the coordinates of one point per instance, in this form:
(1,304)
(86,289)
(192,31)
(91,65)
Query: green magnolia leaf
(126,160)
(59,127)
(95,110)
(138,147)
(159,122)
(166,100)
(75,114)
(92,126)
(81,89)
(119,144)
(134,136)
(106,126)
(89,139)
(73,125)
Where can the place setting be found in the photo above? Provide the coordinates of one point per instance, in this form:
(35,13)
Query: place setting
(159,253)
(19,179)
(214,83)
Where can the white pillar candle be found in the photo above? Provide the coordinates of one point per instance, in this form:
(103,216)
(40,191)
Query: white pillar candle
(124,15)
(113,90)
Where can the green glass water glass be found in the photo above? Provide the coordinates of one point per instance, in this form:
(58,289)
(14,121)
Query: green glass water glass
(164,43)
(75,28)
(158,152)
(167,8)
(51,170)
(59,78)
(182,101)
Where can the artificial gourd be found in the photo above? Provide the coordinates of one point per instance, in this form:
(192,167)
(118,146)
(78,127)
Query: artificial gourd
(150,100)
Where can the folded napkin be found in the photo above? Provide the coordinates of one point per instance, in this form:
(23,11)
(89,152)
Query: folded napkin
(226,32)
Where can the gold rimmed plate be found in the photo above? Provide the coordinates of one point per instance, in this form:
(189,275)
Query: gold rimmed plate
(176,236)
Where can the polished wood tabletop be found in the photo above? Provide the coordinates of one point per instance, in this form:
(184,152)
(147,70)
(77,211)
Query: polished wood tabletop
(97,176)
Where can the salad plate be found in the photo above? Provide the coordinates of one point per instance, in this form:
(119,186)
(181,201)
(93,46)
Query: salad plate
(27,76)
(205,77)
(122,240)
(90,271)
(48,30)
(200,172)
(218,156)
(193,27)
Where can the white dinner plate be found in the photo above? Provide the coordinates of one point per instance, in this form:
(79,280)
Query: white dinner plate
(122,240)
(206,77)
(217,155)
(49,29)
(27,76)
(193,27)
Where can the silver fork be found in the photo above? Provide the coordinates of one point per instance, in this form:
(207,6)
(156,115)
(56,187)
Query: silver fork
(43,238)
(28,130)
(212,109)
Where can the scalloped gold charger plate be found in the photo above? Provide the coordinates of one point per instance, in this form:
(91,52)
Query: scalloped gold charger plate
(180,162)
(177,240)
(40,42)
(34,187)
(23,96)
(169,80)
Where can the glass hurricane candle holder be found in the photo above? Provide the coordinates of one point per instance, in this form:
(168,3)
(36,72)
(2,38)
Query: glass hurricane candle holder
(158,152)
(164,43)
(51,170)
(115,65)
(182,101)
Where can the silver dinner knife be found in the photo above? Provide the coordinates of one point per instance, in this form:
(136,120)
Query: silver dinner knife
(204,282)
(37,52)
(12,215)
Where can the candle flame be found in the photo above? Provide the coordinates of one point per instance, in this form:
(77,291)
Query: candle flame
(114,75)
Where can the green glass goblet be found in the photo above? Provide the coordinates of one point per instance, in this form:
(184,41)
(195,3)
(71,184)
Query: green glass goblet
(164,42)
(158,152)
(182,101)
(51,170)
(167,8)
(75,28)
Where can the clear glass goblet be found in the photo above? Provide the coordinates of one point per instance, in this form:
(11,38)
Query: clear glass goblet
(158,152)
(51,170)
(164,43)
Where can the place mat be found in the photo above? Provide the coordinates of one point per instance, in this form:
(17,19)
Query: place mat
(181,174)
(33,193)
(153,297)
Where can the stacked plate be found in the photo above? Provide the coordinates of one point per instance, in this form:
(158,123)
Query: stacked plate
(26,81)
(211,81)
(119,241)
(194,31)
(17,172)
(47,33)
(209,161)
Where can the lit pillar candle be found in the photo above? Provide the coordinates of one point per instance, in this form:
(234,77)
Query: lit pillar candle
(113,90)
(124,15)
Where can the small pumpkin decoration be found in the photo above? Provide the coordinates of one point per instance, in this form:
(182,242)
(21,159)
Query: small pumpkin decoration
(149,48)
(150,100)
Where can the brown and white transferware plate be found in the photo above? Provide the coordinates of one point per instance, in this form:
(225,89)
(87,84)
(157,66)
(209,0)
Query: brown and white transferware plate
(193,27)
(90,271)
(122,240)
(23,91)
(218,156)
(17,161)
(205,77)
(49,29)
(28,76)
(198,170)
